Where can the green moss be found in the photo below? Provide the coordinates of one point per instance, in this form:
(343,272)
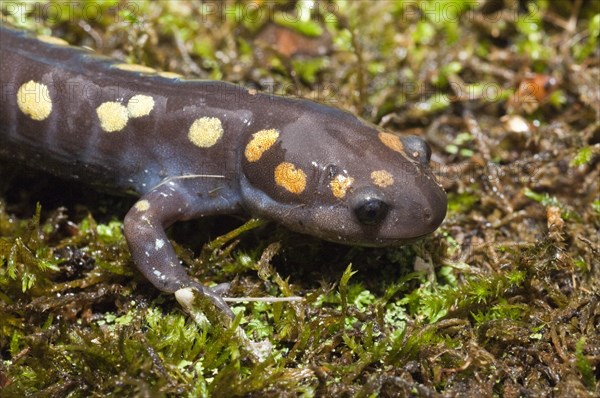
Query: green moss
(303,26)
(459,145)
(586,48)
(584,366)
(502,310)
(547,200)
(596,206)
(583,156)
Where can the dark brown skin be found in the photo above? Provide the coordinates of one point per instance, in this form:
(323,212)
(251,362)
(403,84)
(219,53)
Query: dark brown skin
(197,148)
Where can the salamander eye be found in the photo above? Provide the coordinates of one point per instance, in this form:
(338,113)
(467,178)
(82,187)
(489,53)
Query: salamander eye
(417,148)
(369,207)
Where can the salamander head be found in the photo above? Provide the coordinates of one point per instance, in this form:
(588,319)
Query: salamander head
(343,181)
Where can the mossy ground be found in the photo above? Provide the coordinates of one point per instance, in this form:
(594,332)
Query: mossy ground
(503,300)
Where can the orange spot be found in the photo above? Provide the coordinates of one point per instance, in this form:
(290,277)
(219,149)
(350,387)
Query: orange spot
(382,178)
(391,141)
(340,184)
(260,143)
(290,178)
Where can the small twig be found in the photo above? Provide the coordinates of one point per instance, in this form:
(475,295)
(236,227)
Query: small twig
(263,299)
(185,54)
(359,70)
(557,345)
(481,140)
(572,25)
(490,69)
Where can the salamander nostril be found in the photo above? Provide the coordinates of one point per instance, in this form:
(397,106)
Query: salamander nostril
(427,214)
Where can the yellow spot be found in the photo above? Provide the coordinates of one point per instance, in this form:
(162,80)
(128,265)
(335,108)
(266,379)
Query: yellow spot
(289,177)
(205,132)
(252,91)
(391,141)
(113,116)
(340,184)
(142,205)
(135,68)
(260,143)
(34,100)
(140,105)
(170,75)
(57,41)
(382,178)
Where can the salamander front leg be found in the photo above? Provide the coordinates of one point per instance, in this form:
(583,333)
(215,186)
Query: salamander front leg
(152,252)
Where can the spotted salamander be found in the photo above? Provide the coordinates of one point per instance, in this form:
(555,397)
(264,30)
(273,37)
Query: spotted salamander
(193,148)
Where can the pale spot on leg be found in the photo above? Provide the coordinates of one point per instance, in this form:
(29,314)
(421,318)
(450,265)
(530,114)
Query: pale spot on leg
(185,297)
(142,205)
